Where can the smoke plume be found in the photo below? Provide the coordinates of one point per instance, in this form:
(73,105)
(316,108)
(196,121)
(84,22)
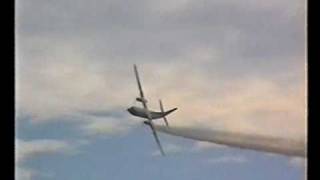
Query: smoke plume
(289,147)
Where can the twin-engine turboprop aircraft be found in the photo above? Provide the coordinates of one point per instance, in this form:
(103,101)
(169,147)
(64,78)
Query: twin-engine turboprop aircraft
(146,113)
(278,145)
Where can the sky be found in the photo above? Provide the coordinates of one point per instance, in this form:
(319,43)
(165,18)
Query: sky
(233,65)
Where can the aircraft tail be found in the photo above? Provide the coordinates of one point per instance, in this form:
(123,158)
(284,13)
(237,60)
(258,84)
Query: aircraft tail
(166,113)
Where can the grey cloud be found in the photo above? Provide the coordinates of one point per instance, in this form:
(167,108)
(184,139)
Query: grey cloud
(77,56)
(127,29)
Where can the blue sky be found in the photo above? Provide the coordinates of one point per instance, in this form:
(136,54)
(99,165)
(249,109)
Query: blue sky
(131,156)
(231,65)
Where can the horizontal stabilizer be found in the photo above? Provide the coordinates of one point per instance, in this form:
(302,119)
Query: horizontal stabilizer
(170,111)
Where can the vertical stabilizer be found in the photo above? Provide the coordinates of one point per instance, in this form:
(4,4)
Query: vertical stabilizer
(164,114)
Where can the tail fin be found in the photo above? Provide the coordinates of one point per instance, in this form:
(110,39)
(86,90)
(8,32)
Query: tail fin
(165,113)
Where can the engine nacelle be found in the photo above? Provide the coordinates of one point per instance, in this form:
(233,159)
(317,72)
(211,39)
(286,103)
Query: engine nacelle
(141,100)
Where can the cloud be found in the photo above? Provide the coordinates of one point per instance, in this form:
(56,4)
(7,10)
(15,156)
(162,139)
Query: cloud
(210,23)
(249,104)
(231,65)
(62,88)
(247,34)
(24,173)
(25,150)
(226,64)
(197,147)
(228,160)
(202,146)
(298,162)
(42,147)
(104,126)
(169,149)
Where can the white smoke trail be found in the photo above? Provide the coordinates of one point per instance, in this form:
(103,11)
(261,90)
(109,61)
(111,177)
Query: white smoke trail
(265,143)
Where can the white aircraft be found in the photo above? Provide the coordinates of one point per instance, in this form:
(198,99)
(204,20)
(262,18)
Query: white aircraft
(289,147)
(146,113)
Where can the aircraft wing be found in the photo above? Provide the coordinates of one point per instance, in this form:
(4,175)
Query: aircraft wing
(138,81)
(156,138)
(144,103)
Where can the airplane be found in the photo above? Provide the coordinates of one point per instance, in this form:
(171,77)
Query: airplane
(146,113)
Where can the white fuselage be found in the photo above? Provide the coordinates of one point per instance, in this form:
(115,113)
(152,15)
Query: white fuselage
(141,112)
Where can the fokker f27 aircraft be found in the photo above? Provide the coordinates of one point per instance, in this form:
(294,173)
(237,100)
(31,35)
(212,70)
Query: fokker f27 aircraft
(146,113)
